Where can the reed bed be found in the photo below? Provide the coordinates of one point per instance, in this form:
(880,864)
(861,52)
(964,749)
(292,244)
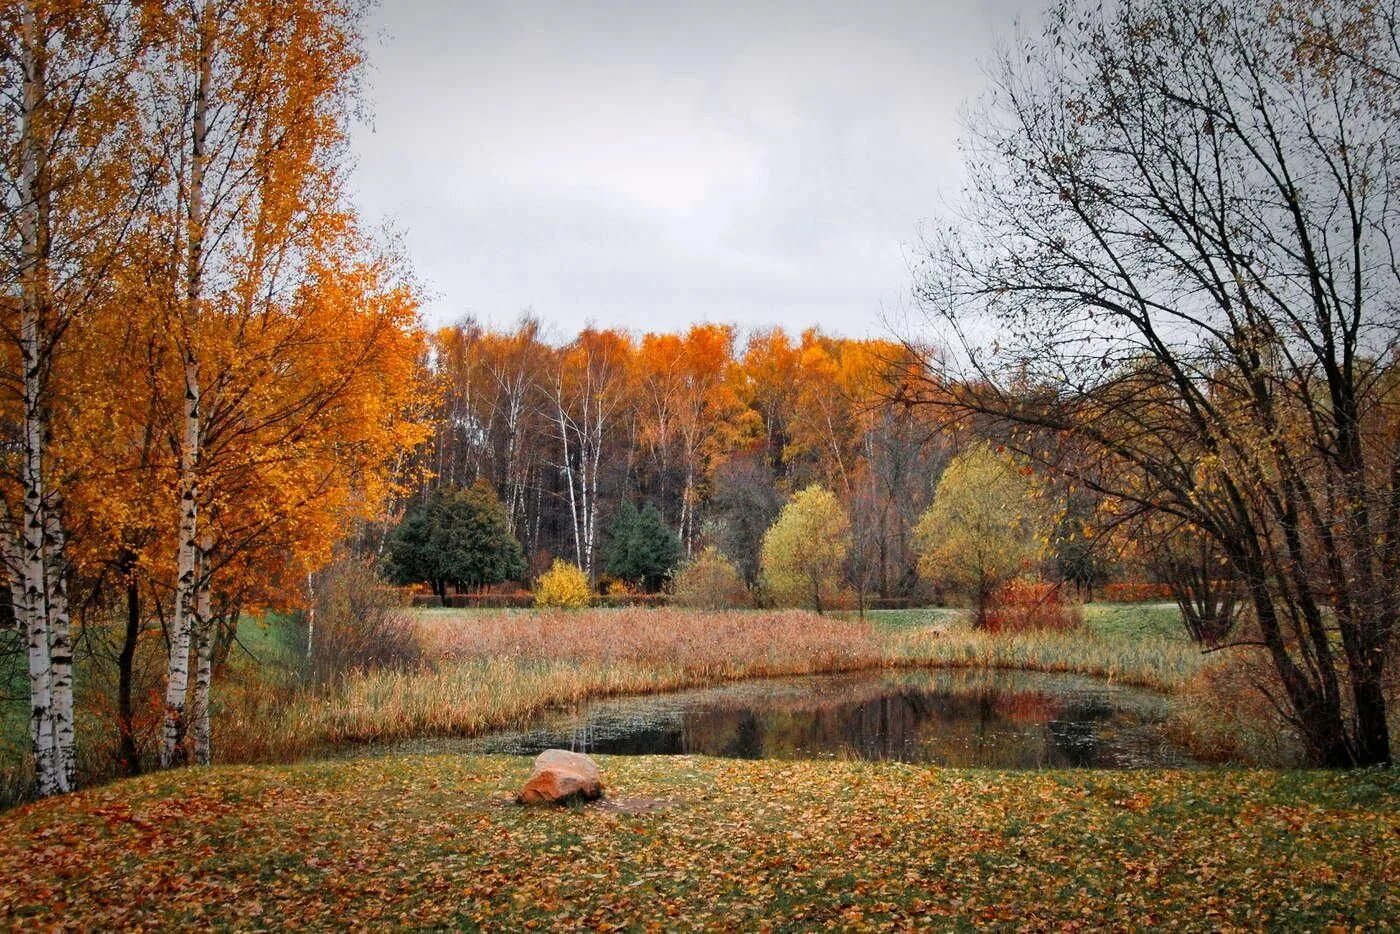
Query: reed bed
(489,671)
(1151,662)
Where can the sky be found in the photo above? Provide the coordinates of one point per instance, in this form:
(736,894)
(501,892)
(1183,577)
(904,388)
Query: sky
(649,165)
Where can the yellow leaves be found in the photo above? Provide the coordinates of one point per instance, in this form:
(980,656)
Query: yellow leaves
(426,841)
(563,585)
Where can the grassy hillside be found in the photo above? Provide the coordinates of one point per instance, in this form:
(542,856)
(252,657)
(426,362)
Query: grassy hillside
(696,842)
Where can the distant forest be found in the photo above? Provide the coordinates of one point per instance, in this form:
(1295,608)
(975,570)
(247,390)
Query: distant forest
(713,428)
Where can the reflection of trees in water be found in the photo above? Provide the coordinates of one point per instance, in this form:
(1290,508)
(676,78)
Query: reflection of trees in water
(976,728)
(1001,724)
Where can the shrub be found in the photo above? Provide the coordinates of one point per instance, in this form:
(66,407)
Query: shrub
(563,585)
(711,582)
(355,623)
(1027,606)
(1223,715)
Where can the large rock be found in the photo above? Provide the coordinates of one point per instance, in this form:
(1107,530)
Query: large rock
(560,777)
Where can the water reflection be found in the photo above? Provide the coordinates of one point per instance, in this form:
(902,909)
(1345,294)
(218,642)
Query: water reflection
(960,718)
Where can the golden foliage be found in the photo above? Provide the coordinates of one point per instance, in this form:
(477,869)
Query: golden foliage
(564,586)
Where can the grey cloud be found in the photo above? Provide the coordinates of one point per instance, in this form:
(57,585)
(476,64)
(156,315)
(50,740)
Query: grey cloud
(647,165)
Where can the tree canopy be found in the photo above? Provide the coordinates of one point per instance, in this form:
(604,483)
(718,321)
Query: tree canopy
(456,537)
(804,550)
(985,526)
(641,549)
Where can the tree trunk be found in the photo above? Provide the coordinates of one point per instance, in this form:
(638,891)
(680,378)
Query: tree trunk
(60,646)
(130,756)
(186,596)
(31,611)
(204,624)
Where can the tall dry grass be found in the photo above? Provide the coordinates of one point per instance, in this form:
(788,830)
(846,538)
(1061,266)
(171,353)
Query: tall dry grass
(490,671)
(1150,662)
(486,671)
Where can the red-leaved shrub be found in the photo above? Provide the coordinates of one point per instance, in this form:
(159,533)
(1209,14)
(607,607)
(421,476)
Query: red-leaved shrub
(1026,606)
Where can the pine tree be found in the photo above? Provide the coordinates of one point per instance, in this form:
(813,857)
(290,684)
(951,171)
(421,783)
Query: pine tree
(641,549)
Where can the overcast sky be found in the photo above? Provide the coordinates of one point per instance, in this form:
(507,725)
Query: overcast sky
(652,164)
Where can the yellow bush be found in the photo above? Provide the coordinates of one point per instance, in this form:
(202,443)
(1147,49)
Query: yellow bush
(709,582)
(563,585)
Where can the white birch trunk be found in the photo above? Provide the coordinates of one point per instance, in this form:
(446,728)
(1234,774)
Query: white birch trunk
(32,608)
(569,477)
(203,623)
(178,667)
(60,647)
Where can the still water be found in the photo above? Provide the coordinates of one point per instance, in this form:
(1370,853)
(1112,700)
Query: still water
(995,719)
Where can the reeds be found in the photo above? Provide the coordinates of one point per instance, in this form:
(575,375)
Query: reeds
(490,671)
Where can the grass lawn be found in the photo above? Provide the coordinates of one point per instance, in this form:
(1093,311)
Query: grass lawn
(694,842)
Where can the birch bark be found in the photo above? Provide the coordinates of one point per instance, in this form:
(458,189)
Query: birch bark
(32,608)
(187,584)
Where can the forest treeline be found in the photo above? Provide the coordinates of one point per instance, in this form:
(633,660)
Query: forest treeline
(714,428)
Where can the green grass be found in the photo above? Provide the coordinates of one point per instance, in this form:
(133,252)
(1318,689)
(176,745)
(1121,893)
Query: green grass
(903,620)
(1136,621)
(432,841)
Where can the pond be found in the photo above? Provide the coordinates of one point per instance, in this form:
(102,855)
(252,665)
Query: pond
(994,719)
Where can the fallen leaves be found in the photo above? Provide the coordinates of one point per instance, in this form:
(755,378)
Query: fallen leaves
(427,841)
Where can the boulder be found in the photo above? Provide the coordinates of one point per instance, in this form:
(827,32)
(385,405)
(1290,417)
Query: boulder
(560,777)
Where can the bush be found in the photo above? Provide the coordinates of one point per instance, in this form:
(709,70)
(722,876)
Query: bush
(563,585)
(1223,715)
(710,582)
(355,623)
(1028,606)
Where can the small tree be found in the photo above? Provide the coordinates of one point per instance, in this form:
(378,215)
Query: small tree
(355,622)
(563,585)
(804,550)
(710,582)
(984,527)
(458,537)
(641,549)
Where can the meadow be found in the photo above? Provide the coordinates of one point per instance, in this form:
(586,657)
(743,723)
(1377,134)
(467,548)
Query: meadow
(690,842)
(693,843)
(482,670)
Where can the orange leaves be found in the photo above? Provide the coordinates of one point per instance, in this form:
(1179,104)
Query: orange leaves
(427,841)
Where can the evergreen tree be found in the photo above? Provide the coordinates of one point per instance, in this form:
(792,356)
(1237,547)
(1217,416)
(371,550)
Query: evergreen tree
(641,549)
(457,537)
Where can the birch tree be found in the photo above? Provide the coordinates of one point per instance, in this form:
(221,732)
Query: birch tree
(588,392)
(68,190)
(247,105)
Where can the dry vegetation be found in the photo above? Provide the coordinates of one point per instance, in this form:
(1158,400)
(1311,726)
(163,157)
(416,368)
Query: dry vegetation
(490,670)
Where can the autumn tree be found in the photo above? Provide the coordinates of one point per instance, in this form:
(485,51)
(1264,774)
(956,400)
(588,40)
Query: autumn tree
(71,184)
(744,502)
(254,263)
(986,526)
(1179,230)
(804,551)
(588,391)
